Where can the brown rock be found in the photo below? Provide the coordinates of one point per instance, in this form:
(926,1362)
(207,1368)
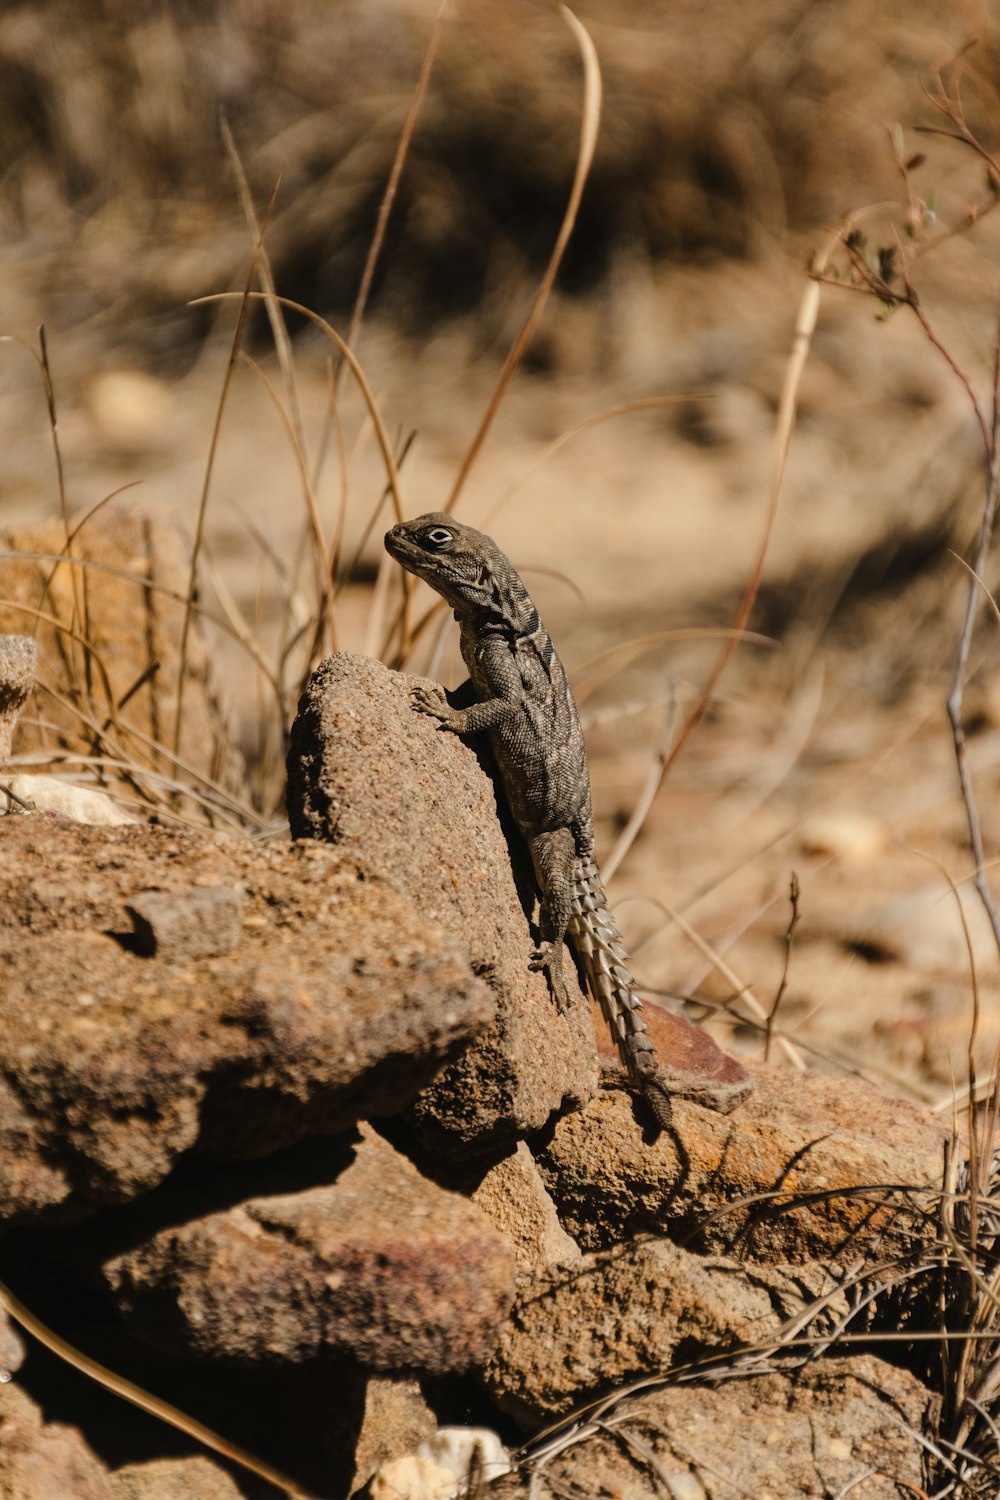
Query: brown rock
(802,1141)
(416,807)
(44,1460)
(194,1478)
(188,924)
(121,592)
(11,1347)
(380,1265)
(396,1418)
(514,1197)
(835,1427)
(336,1004)
(617,1316)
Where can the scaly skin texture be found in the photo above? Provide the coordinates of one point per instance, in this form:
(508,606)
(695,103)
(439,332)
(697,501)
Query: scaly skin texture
(525,705)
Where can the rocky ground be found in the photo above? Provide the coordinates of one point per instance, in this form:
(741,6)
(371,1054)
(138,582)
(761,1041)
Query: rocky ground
(292,1129)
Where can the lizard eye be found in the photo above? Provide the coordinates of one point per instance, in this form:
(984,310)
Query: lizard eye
(438,538)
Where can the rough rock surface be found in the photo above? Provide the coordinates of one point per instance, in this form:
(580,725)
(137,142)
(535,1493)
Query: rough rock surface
(513,1196)
(193,1478)
(44,1460)
(132,566)
(396,1419)
(577,1332)
(11,1345)
(836,1427)
(338,1003)
(803,1140)
(368,774)
(378,1264)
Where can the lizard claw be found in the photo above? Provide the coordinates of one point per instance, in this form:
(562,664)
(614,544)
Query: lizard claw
(431,701)
(541,958)
(545,960)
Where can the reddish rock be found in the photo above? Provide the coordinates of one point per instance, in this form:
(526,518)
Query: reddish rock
(692,1064)
(381,1266)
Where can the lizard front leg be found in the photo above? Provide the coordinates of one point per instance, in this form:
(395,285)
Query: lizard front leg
(506,695)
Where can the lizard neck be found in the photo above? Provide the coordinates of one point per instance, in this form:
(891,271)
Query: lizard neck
(504,608)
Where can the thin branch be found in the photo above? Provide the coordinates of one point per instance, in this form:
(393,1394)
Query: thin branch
(793,922)
(954,704)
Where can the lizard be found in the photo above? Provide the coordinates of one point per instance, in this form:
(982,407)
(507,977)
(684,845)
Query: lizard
(524,703)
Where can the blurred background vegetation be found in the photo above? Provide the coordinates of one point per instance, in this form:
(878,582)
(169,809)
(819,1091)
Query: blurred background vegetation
(730,132)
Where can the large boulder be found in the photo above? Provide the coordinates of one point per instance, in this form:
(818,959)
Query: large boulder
(415,806)
(261,993)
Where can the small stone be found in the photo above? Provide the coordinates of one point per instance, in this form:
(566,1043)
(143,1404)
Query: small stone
(182,925)
(439,1469)
(83,804)
(413,1477)
(191,1478)
(458,1448)
(132,409)
(926,929)
(851,836)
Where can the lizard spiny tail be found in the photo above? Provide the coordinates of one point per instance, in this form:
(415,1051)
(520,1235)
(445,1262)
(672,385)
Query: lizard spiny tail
(594,937)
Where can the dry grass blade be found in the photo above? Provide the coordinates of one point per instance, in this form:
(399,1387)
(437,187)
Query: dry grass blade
(282,343)
(787,407)
(793,922)
(648,795)
(50,398)
(613,659)
(590,120)
(382,436)
(141,582)
(197,785)
(954,703)
(210,465)
(741,990)
(291,415)
(323,583)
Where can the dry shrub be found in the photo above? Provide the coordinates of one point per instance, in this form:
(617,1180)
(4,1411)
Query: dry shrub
(723,126)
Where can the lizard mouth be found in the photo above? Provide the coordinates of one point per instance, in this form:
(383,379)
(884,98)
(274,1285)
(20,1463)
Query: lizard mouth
(396,545)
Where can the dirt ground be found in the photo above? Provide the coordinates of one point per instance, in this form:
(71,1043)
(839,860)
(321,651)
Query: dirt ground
(825,750)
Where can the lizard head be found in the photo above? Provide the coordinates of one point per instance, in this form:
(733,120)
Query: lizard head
(455,560)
